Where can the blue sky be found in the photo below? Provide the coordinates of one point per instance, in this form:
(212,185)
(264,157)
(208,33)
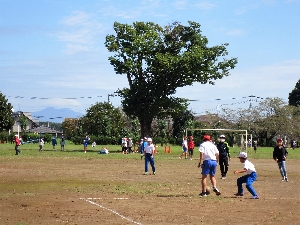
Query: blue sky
(52,52)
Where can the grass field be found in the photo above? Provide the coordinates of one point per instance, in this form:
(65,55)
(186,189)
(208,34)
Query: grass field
(71,187)
(76,150)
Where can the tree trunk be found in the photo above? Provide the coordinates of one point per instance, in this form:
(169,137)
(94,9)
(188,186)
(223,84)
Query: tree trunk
(146,127)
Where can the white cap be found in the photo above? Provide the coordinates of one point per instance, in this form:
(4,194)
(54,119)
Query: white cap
(149,139)
(242,155)
(222,136)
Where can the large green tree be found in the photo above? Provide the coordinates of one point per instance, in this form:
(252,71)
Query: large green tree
(102,119)
(158,60)
(294,96)
(6,119)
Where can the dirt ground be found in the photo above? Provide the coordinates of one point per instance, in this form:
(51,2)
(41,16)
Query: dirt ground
(97,189)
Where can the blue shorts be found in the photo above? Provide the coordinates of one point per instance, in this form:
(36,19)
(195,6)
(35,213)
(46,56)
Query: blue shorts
(210,167)
(184,149)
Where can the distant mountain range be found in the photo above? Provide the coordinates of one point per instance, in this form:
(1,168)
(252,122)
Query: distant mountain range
(55,115)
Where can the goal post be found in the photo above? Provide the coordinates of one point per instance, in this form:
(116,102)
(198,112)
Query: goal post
(241,132)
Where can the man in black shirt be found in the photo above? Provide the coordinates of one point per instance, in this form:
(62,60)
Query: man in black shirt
(224,155)
(279,155)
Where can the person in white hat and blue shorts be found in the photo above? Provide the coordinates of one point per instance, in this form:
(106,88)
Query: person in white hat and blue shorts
(249,178)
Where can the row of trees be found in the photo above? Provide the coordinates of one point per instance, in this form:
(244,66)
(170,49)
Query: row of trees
(105,124)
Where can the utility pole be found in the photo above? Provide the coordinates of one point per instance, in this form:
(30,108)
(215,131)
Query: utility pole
(112,95)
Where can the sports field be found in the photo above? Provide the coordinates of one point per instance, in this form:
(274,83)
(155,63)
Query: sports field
(72,187)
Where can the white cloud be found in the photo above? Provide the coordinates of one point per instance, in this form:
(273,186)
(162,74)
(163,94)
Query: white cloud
(180,4)
(206,5)
(80,32)
(113,11)
(240,11)
(275,80)
(151,3)
(235,32)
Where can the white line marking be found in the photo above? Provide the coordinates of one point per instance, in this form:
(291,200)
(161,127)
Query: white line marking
(111,210)
(102,198)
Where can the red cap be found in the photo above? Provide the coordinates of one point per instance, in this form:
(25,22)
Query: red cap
(279,140)
(206,137)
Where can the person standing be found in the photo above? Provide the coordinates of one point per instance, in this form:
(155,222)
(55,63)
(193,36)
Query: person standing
(62,144)
(41,144)
(209,156)
(85,143)
(54,142)
(249,178)
(293,144)
(255,145)
(191,146)
(149,156)
(144,143)
(17,144)
(124,145)
(184,148)
(279,155)
(129,145)
(224,156)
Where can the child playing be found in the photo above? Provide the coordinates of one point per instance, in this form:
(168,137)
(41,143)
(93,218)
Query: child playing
(184,148)
(249,178)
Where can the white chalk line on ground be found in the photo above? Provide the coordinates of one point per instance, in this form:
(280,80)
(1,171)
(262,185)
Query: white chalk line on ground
(111,210)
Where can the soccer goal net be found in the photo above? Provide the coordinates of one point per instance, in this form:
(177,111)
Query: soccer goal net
(233,137)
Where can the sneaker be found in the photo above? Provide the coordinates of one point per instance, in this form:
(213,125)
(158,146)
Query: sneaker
(283,179)
(255,197)
(239,194)
(286,179)
(154,173)
(216,191)
(203,194)
(223,178)
(145,173)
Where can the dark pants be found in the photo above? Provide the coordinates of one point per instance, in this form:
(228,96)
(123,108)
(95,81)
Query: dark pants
(17,149)
(148,159)
(129,149)
(223,162)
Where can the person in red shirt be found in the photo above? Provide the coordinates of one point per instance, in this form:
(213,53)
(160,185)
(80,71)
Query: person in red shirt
(191,145)
(17,144)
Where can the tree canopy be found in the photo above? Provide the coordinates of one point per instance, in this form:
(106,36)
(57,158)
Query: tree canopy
(271,118)
(6,118)
(158,60)
(294,96)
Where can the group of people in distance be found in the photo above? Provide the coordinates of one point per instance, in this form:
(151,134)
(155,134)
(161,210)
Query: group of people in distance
(188,148)
(127,145)
(211,155)
(18,142)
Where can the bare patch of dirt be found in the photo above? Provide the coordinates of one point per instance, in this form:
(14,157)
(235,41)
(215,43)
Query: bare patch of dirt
(100,190)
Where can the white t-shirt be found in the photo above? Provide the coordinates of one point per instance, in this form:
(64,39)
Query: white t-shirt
(209,150)
(149,148)
(249,167)
(184,144)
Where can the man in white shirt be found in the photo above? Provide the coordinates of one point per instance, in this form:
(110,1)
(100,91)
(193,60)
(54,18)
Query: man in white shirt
(149,156)
(209,156)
